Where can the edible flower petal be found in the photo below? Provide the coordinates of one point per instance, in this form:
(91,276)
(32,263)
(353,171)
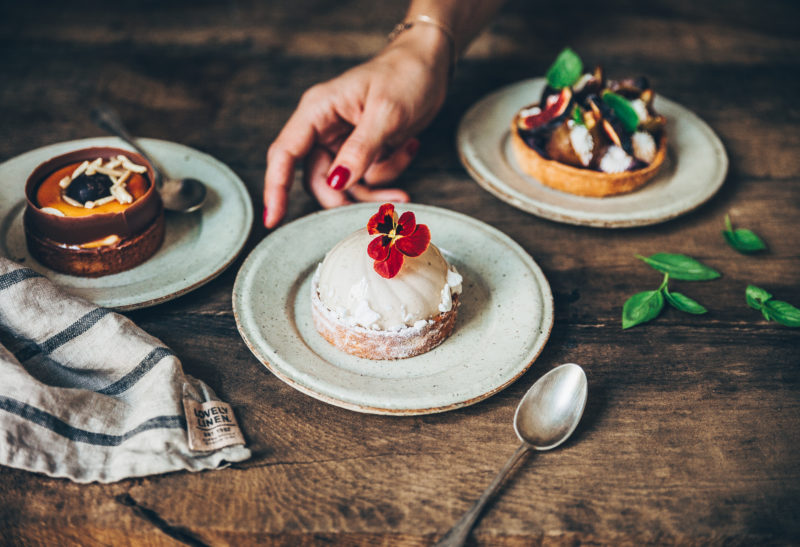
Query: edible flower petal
(416,243)
(395,239)
(383,221)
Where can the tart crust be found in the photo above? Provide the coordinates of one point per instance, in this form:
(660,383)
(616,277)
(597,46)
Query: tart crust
(582,182)
(98,261)
(381,344)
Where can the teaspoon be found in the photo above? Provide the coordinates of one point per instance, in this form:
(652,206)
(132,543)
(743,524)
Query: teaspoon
(545,417)
(183,195)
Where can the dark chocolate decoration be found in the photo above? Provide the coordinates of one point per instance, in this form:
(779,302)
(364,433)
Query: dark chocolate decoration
(89,187)
(76,230)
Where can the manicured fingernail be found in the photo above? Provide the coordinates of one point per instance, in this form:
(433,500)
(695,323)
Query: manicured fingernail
(265,217)
(339,177)
(412,147)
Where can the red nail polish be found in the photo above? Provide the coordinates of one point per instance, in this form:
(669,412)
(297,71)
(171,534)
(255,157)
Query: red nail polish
(339,177)
(265,217)
(412,147)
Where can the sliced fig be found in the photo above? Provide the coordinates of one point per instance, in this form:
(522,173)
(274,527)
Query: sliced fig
(554,106)
(647,97)
(559,147)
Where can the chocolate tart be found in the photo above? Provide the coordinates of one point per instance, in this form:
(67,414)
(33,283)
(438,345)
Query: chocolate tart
(97,242)
(582,182)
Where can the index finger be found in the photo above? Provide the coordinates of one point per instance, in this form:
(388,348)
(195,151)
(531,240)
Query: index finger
(294,142)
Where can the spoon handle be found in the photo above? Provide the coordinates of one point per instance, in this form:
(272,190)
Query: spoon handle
(457,535)
(107,119)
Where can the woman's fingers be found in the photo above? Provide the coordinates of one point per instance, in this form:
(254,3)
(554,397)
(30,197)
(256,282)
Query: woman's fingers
(316,169)
(387,169)
(381,120)
(293,142)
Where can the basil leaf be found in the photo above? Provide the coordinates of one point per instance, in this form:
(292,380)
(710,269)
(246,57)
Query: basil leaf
(641,308)
(680,266)
(623,109)
(684,303)
(577,115)
(565,70)
(743,240)
(783,312)
(756,297)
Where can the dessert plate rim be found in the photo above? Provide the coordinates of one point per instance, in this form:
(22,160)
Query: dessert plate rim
(215,235)
(695,169)
(268,288)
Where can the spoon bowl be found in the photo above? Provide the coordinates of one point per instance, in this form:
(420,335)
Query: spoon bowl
(551,409)
(182,195)
(545,417)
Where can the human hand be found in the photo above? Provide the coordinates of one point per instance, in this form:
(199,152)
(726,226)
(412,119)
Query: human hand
(355,132)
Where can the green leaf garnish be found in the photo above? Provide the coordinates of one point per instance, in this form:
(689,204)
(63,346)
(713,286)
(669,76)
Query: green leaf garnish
(756,296)
(743,240)
(680,266)
(623,109)
(565,70)
(577,115)
(641,308)
(782,312)
(683,303)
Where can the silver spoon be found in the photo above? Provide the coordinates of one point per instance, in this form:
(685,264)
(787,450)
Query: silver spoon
(546,416)
(182,195)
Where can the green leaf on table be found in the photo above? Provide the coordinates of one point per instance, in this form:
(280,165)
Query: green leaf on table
(623,109)
(641,308)
(756,297)
(783,312)
(565,70)
(743,240)
(680,266)
(683,303)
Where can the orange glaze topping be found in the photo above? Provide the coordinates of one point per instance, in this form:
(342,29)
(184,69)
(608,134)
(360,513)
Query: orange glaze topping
(49,194)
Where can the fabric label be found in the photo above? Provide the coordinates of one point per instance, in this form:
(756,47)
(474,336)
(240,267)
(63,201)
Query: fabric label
(212,425)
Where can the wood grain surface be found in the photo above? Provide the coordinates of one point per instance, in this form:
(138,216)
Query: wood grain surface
(692,428)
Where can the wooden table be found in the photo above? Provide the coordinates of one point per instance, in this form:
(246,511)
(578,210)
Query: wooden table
(691,432)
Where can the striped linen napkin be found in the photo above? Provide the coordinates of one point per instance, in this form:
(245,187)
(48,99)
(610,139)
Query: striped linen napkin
(87,395)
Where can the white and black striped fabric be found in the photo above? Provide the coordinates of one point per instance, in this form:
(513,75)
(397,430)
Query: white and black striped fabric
(86,394)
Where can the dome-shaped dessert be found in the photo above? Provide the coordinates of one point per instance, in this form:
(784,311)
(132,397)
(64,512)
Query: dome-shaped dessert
(368,314)
(349,285)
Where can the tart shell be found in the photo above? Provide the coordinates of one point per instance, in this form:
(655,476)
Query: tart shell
(378,344)
(582,182)
(98,261)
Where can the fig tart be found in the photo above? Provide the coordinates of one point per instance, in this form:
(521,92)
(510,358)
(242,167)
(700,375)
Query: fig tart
(588,135)
(93,212)
(385,291)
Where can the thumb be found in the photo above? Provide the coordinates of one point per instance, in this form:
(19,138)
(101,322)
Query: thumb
(364,145)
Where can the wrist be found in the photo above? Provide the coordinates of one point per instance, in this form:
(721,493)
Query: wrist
(428,42)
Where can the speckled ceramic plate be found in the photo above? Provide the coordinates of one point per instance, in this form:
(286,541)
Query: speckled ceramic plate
(695,168)
(197,246)
(504,320)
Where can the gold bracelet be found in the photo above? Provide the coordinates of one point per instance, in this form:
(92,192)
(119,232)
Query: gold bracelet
(400,28)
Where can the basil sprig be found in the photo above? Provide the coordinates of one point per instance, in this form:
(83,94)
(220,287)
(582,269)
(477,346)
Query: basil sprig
(565,70)
(778,310)
(743,240)
(623,109)
(647,305)
(680,266)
